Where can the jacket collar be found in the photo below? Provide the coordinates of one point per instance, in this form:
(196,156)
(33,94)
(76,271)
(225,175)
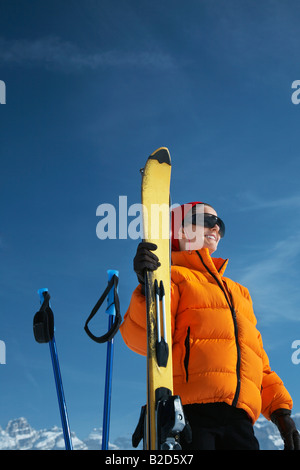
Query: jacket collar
(192,260)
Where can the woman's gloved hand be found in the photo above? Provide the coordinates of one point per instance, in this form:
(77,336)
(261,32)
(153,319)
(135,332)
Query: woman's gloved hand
(287,428)
(145,260)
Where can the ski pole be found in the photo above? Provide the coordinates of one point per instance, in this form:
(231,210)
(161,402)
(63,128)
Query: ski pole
(114,320)
(111,311)
(43,328)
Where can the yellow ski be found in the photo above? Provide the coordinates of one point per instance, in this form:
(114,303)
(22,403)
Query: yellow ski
(164,415)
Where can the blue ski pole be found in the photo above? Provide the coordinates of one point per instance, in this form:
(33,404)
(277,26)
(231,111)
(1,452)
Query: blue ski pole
(111,311)
(43,327)
(114,320)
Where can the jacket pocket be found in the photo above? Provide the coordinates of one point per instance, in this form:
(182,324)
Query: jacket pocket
(187,354)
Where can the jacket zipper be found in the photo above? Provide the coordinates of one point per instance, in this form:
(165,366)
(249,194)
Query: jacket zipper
(187,354)
(233,314)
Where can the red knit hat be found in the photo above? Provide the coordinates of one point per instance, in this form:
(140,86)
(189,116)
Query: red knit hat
(177,216)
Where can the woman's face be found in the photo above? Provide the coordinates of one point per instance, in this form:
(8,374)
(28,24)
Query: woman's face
(195,237)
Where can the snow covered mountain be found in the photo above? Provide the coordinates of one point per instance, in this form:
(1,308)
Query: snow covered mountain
(19,435)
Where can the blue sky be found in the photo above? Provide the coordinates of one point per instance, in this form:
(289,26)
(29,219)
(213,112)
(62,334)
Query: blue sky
(94,87)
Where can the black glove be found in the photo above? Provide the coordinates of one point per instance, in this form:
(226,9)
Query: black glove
(287,428)
(145,260)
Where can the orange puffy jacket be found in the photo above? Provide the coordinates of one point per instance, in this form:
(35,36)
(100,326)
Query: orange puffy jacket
(218,354)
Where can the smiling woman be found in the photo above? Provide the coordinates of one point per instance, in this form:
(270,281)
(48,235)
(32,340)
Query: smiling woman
(202,228)
(220,368)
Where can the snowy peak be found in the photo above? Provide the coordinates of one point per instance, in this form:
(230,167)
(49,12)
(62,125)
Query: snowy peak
(19,435)
(18,427)
(94,441)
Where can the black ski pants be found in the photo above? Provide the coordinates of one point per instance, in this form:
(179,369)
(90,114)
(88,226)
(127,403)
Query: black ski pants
(218,426)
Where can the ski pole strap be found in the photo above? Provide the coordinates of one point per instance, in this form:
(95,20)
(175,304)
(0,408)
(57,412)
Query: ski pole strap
(43,321)
(113,283)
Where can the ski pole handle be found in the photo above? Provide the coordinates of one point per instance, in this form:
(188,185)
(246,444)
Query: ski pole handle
(41,294)
(43,322)
(111,308)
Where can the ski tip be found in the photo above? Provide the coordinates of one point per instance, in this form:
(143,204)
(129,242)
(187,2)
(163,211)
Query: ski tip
(162,155)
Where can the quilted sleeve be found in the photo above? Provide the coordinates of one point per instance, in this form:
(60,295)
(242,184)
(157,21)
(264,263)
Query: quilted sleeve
(134,327)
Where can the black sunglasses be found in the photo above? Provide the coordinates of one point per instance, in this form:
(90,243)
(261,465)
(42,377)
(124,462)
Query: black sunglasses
(209,221)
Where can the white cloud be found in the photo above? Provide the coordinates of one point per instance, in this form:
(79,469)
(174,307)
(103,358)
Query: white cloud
(249,201)
(54,52)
